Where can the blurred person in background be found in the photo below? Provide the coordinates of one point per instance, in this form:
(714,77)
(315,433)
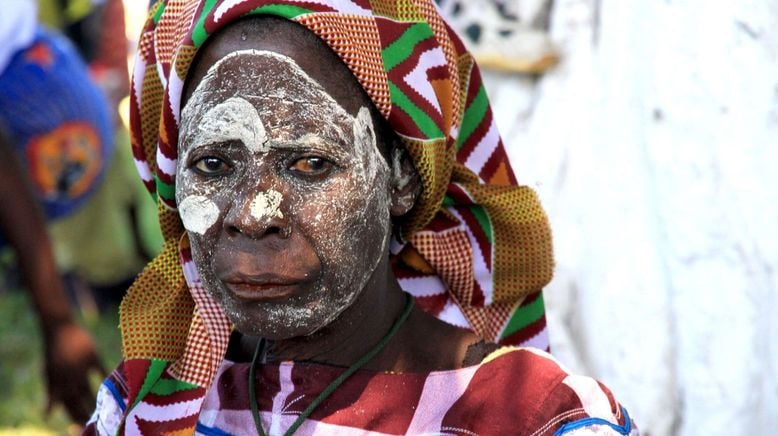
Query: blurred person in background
(71,215)
(96,28)
(54,142)
(110,239)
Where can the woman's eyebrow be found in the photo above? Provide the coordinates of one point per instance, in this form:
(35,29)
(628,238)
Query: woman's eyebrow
(312,142)
(222,143)
(214,138)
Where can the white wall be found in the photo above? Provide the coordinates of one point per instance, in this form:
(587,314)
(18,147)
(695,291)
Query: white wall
(654,146)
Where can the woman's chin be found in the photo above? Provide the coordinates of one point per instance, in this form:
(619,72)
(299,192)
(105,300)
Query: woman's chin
(303,312)
(272,324)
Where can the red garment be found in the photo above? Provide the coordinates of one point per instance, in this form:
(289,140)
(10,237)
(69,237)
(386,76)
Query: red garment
(517,391)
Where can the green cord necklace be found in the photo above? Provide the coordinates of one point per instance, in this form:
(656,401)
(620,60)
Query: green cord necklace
(332,386)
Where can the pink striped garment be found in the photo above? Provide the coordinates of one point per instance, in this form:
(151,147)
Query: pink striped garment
(517,391)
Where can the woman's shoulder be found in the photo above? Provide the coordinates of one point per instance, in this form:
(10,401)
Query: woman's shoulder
(530,388)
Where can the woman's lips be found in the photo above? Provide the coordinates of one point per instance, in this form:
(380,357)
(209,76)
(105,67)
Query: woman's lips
(263,287)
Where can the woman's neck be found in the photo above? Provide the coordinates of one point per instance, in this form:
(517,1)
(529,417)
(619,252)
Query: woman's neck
(423,343)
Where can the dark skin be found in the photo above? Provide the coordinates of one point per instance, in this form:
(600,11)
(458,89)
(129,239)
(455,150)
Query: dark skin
(250,244)
(70,354)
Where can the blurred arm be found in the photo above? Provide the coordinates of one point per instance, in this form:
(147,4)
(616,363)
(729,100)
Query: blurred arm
(69,351)
(23,225)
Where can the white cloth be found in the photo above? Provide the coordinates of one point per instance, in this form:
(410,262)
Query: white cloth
(18,21)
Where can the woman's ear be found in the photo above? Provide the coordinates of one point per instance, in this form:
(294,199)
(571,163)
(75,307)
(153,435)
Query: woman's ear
(405,181)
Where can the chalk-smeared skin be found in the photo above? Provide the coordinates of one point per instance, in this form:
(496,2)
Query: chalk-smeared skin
(329,232)
(198,213)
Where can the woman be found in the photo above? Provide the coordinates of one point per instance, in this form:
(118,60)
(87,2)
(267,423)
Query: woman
(317,160)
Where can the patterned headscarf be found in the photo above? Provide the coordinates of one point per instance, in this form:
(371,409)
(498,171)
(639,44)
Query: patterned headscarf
(478,247)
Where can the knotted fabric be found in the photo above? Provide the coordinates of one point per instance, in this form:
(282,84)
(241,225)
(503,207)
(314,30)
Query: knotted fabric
(477,247)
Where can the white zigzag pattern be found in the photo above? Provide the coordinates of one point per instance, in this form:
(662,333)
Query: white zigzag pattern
(164,164)
(143,170)
(175,89)
(138,74)
(481,273)
(452,314)
(161,73)
(224,7)
(348,7)
(342,6)
(426,286)
(149,412)
(417,78)
(539,341)
(483,151)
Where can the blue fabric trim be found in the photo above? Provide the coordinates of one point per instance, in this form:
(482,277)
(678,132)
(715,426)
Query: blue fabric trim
(210,431)
(115,392)
(575,425)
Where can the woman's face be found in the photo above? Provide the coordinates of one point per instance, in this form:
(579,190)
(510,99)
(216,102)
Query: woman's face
(283,192)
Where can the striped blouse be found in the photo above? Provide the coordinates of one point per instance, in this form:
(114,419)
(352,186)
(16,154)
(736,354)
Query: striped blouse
(517,391)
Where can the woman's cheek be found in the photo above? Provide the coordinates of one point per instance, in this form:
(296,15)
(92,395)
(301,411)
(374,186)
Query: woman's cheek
(202,216)
(198,213)
(340,203)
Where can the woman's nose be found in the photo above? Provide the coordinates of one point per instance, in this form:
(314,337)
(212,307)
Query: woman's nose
(257,214)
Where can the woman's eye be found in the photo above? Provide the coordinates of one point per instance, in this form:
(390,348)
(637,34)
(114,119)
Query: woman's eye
(211,165)
(311,166)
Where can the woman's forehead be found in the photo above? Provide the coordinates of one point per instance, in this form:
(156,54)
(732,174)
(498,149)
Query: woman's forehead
(250,88)
(290,41)
(258,75)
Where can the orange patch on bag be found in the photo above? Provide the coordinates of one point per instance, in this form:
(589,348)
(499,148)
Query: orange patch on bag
(64,163)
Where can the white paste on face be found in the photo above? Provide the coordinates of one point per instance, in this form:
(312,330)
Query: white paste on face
(402,177)
(234,119)
(198,213)
(348,209)
(366,146)
(265,205)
